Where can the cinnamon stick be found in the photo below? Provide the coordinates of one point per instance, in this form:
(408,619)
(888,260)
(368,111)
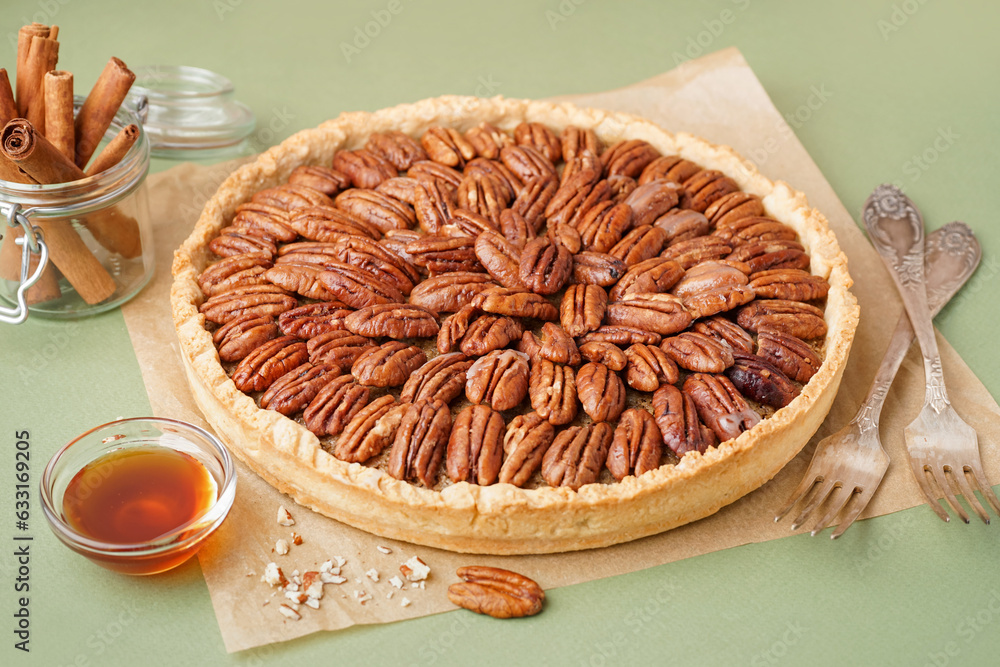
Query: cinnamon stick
(100,107)
(43,54)
(115,150)
(8,107)
(25,146)
(24,37)
(47,286)
(68,252)
(59,130)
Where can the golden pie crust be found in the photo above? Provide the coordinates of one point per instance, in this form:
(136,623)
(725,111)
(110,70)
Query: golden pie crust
(501,518)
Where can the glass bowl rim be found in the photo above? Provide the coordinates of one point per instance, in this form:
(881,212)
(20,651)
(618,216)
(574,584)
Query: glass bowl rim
(165,543)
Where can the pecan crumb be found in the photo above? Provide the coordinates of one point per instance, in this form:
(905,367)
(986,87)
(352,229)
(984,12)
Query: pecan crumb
(281,547)
(415,569)
(285,517)
(385,550)
(372,574)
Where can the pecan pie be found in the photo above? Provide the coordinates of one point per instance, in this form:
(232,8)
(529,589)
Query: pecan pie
(504,326)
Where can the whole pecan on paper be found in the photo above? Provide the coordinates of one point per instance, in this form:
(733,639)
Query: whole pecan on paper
(475,447)
(495,592)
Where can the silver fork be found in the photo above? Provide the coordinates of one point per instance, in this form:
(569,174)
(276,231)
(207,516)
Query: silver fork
(943,449)
(849,465)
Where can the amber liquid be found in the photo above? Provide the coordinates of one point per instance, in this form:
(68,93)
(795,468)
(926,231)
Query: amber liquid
(138,494)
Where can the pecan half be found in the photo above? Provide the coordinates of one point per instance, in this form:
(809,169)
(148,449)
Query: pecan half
(577,455)
(762,381)
(467,223)
(388,365)
(628,158)
(790,355)
(444,254)
(499,257)
(454,327)
(697,352)
(364,168)
(396,147)
(533,200)
(396,240)
(603,226)
(556,345)
(339,347)
(290,197)
(359,252)
(447,146)
(515,228)
(597,268)
(258,300)
(488,140)
(475,447)
(495,592)
(660,313)
(515,302)
(267,363)
(718,300)
(392,320)
(621,187)
(442,378)
(674,168)
(727,332)
(636,446)
(262,220)
(720,405)
(790,284)
(794,318)
(620,335)
(565,235)
(402,188)
(680,427)
(485,195)
(575,140)
(505,178)
(708,276)
(301,278)
(378,210)
(772,255)
(582,308)
(734,206)
(231,242)
(545,267)
(651,200)
(490,332)
(357,287)
(434,205)
(697,250)
(579,193)
(640,244)
(370,430)
(541,138)
(552,388)
(500,378)
(608,354)
(649,367)
(705,187)
(755,230)
(326,223)
(427,171)
(525,443)
(234,271)
(294,390)
(327,180)
(527,163)
(242,335)
(655,275)
(449,292)
(601,392)
(420,442)
(335,405)
(682,224)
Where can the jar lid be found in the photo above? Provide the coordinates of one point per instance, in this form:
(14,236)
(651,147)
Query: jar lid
(188,109)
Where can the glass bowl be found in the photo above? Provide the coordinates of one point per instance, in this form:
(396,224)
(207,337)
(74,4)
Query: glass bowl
(169,549)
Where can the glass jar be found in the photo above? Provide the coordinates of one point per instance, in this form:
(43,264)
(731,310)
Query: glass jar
(97,229)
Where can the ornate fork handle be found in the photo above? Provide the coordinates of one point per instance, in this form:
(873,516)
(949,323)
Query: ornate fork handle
(897,232)
(956,240)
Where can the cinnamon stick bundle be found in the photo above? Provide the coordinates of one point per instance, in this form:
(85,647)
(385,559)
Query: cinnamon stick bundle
(115,150)
(58,86)
(100,107)
(8,107)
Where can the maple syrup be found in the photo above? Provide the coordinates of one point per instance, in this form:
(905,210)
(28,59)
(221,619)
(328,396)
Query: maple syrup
(138,494)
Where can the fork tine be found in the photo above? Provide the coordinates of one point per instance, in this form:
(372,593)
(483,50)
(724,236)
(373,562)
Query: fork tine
(984,486)
(860,503)
(800,492)
(921,476)
(963,487)
(819,495)
(940,476)
(839,498)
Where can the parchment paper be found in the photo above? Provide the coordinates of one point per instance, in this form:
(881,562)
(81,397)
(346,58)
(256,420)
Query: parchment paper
(717,97)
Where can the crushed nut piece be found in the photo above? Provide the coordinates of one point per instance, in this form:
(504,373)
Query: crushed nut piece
(312,584)
(396,582)
(312,603)
(388,596)
(385,550)
(405,602)
(273,575)
(285,517)
(296,538)
(296,596)
(362,596)
(328,578)
(415,569)
(372,574)
(289,612)
(281,547)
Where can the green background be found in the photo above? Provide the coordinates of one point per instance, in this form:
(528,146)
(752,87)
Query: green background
(903,589)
